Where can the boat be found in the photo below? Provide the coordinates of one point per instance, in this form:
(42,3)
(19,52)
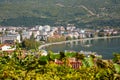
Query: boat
(88,45)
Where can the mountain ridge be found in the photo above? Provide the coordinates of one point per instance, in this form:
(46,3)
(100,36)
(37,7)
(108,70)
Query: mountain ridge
(60,12)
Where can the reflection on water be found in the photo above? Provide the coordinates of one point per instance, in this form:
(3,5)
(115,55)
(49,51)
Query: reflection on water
(104,47)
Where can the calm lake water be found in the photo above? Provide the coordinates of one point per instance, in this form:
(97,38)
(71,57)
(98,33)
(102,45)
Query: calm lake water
(105,47)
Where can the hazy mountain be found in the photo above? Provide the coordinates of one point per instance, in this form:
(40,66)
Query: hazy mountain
(59,12)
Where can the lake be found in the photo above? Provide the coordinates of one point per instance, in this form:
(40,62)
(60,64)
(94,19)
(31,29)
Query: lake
(105,47)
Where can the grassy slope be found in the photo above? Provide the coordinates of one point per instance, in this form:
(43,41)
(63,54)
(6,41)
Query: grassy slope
(59,11)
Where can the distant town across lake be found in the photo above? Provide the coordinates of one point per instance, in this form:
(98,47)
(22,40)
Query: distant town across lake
(105,47)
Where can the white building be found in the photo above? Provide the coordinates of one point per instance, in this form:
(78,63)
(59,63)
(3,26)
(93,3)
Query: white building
(46,28)
(82,34)
(82,31)
(54,28)
(35,32)
(40,28)
(70,27)
(1,29)
(76,34)
(26,34)
(10,38)
(6,47)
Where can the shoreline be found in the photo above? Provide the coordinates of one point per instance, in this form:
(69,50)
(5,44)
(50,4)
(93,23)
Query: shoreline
(61,42)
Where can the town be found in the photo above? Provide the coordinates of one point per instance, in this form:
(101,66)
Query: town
(48,34)
(19,49)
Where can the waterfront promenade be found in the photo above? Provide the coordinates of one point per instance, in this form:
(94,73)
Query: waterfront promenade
(48,44)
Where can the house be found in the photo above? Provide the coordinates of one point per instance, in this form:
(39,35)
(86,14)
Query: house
(59,62)
(40,28)
(26,35)
(54,29)
(51,33)
(7,47)
(115,32)
(41,38)
(43,33)
(71,62)
(1,29)
(46,28)
(90,33)
(75,35)
(61,28)
(10,38)
(82,34)
(35,32)
(70,27)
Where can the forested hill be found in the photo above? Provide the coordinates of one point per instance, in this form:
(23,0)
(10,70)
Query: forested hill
(60,12)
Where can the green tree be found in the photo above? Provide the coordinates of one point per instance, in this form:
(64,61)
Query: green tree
(68,38)
(30,44)
(116,57)
(32,37)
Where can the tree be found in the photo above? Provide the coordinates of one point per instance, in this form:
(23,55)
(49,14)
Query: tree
(68,38)
(80,56)
(62,55)
(116,58)
(30,44)
(32,37)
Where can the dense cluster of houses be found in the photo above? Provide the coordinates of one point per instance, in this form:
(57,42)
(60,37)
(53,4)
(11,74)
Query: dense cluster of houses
(9,35)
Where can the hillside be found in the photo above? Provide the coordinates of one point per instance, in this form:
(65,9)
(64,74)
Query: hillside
(59,12)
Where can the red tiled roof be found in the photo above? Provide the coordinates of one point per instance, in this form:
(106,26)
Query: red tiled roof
(76,64)
(4,45)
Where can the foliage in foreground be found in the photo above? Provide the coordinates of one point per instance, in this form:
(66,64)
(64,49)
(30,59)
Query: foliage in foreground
(33,67)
